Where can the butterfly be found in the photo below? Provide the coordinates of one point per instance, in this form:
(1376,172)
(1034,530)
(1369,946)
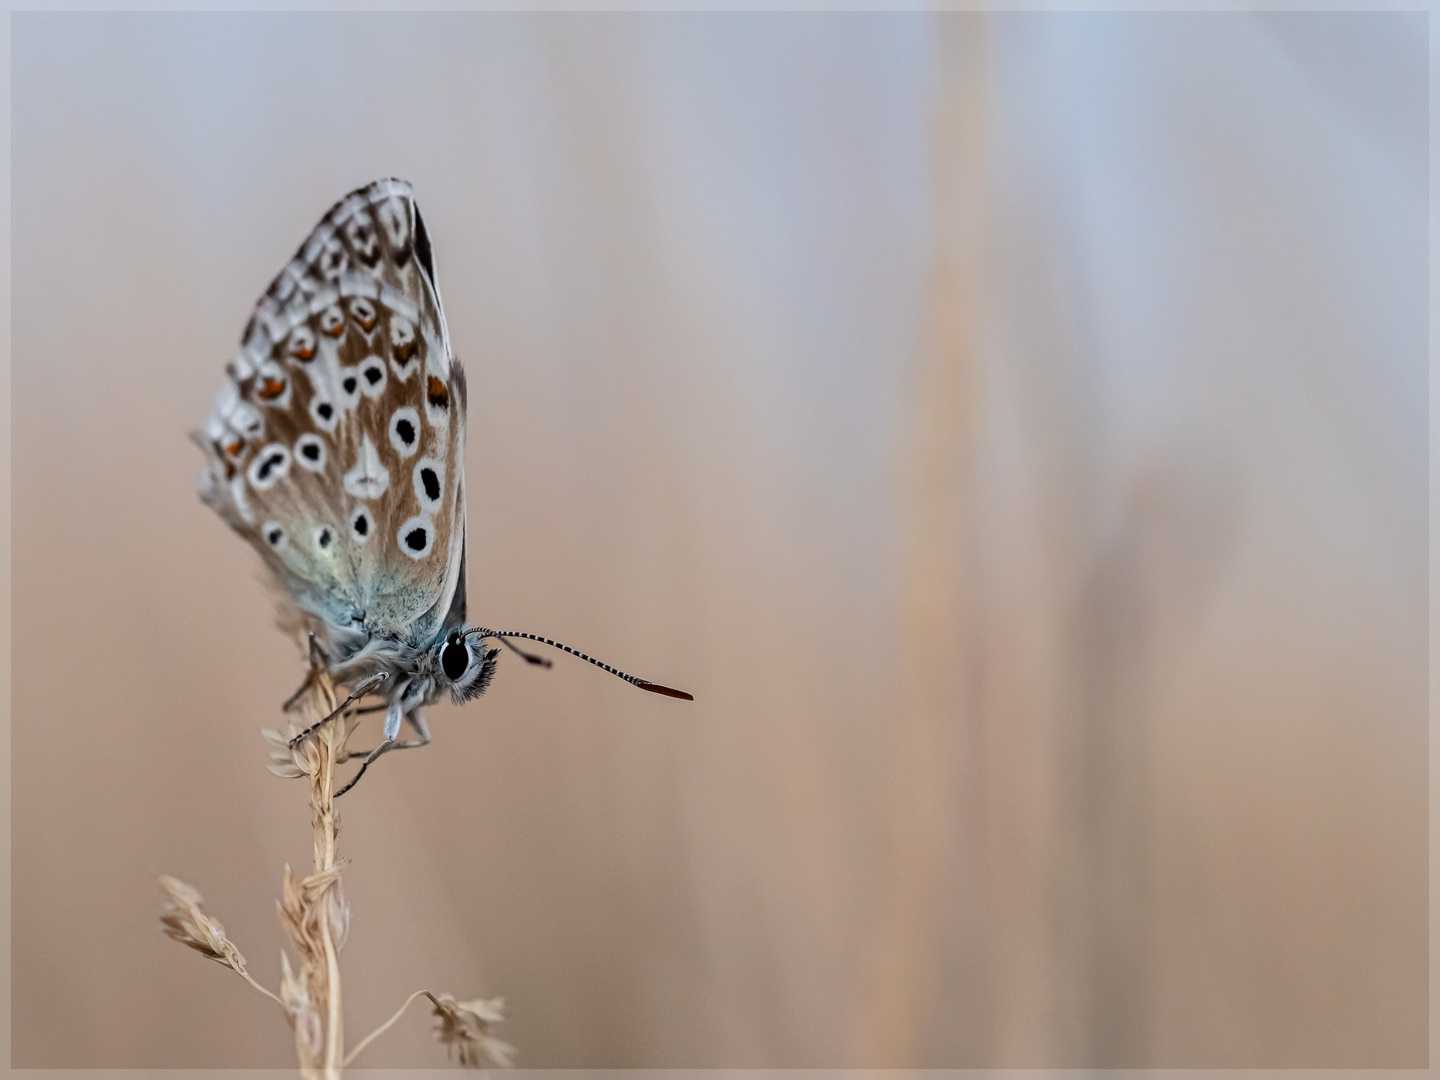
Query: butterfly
(336,449)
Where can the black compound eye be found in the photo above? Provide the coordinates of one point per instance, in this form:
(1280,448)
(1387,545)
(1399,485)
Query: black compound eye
(454,658)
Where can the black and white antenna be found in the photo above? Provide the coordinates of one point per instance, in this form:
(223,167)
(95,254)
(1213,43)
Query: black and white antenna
(502,635)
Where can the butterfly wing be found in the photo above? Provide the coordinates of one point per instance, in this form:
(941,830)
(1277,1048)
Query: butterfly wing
(336,445)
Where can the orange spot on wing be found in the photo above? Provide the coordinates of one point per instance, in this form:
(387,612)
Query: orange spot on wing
(336,330)
(437,393)
(305,354)
(270,389)
(404,352)
(226,452)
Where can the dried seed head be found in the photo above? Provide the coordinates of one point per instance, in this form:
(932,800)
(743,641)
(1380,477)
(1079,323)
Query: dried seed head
(465,1029)
(282,759)
(183,920)
(315,700)
(300,1008)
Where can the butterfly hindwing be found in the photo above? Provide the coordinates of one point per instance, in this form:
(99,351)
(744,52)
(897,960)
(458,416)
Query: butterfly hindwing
(337,441)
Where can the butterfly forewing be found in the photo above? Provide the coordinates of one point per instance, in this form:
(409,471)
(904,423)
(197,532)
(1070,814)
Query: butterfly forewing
(337,442)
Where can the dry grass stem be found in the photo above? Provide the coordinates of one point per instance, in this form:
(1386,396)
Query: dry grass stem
(463,1026)
(315,916)
(386,1026)
(313,910)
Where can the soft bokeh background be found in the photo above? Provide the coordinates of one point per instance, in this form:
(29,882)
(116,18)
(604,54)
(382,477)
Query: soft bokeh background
(1011,428)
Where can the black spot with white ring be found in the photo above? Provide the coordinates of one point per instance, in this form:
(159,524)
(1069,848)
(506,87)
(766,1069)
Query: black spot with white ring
(416,537)
(324,537)
(361,525)
(429,479)
(274,535)
(405,431)
(349,387)
(310,452)
(372,376)
(325,415)
(269,466)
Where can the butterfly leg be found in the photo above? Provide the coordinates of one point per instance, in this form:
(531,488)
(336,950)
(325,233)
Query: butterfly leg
(364,688)
(421,729)
(318,661)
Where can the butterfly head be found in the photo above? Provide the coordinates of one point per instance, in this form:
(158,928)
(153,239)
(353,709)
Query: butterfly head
(462,664)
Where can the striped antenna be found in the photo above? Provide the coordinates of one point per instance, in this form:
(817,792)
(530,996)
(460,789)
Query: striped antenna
(643,684)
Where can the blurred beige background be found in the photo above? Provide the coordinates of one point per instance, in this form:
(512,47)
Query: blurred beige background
(1011,428)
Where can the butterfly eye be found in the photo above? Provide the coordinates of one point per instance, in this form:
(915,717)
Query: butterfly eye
(454,658)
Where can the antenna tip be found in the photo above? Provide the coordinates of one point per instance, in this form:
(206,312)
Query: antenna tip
(656,688)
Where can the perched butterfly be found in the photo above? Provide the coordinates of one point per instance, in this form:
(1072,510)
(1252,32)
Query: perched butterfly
(336,449)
